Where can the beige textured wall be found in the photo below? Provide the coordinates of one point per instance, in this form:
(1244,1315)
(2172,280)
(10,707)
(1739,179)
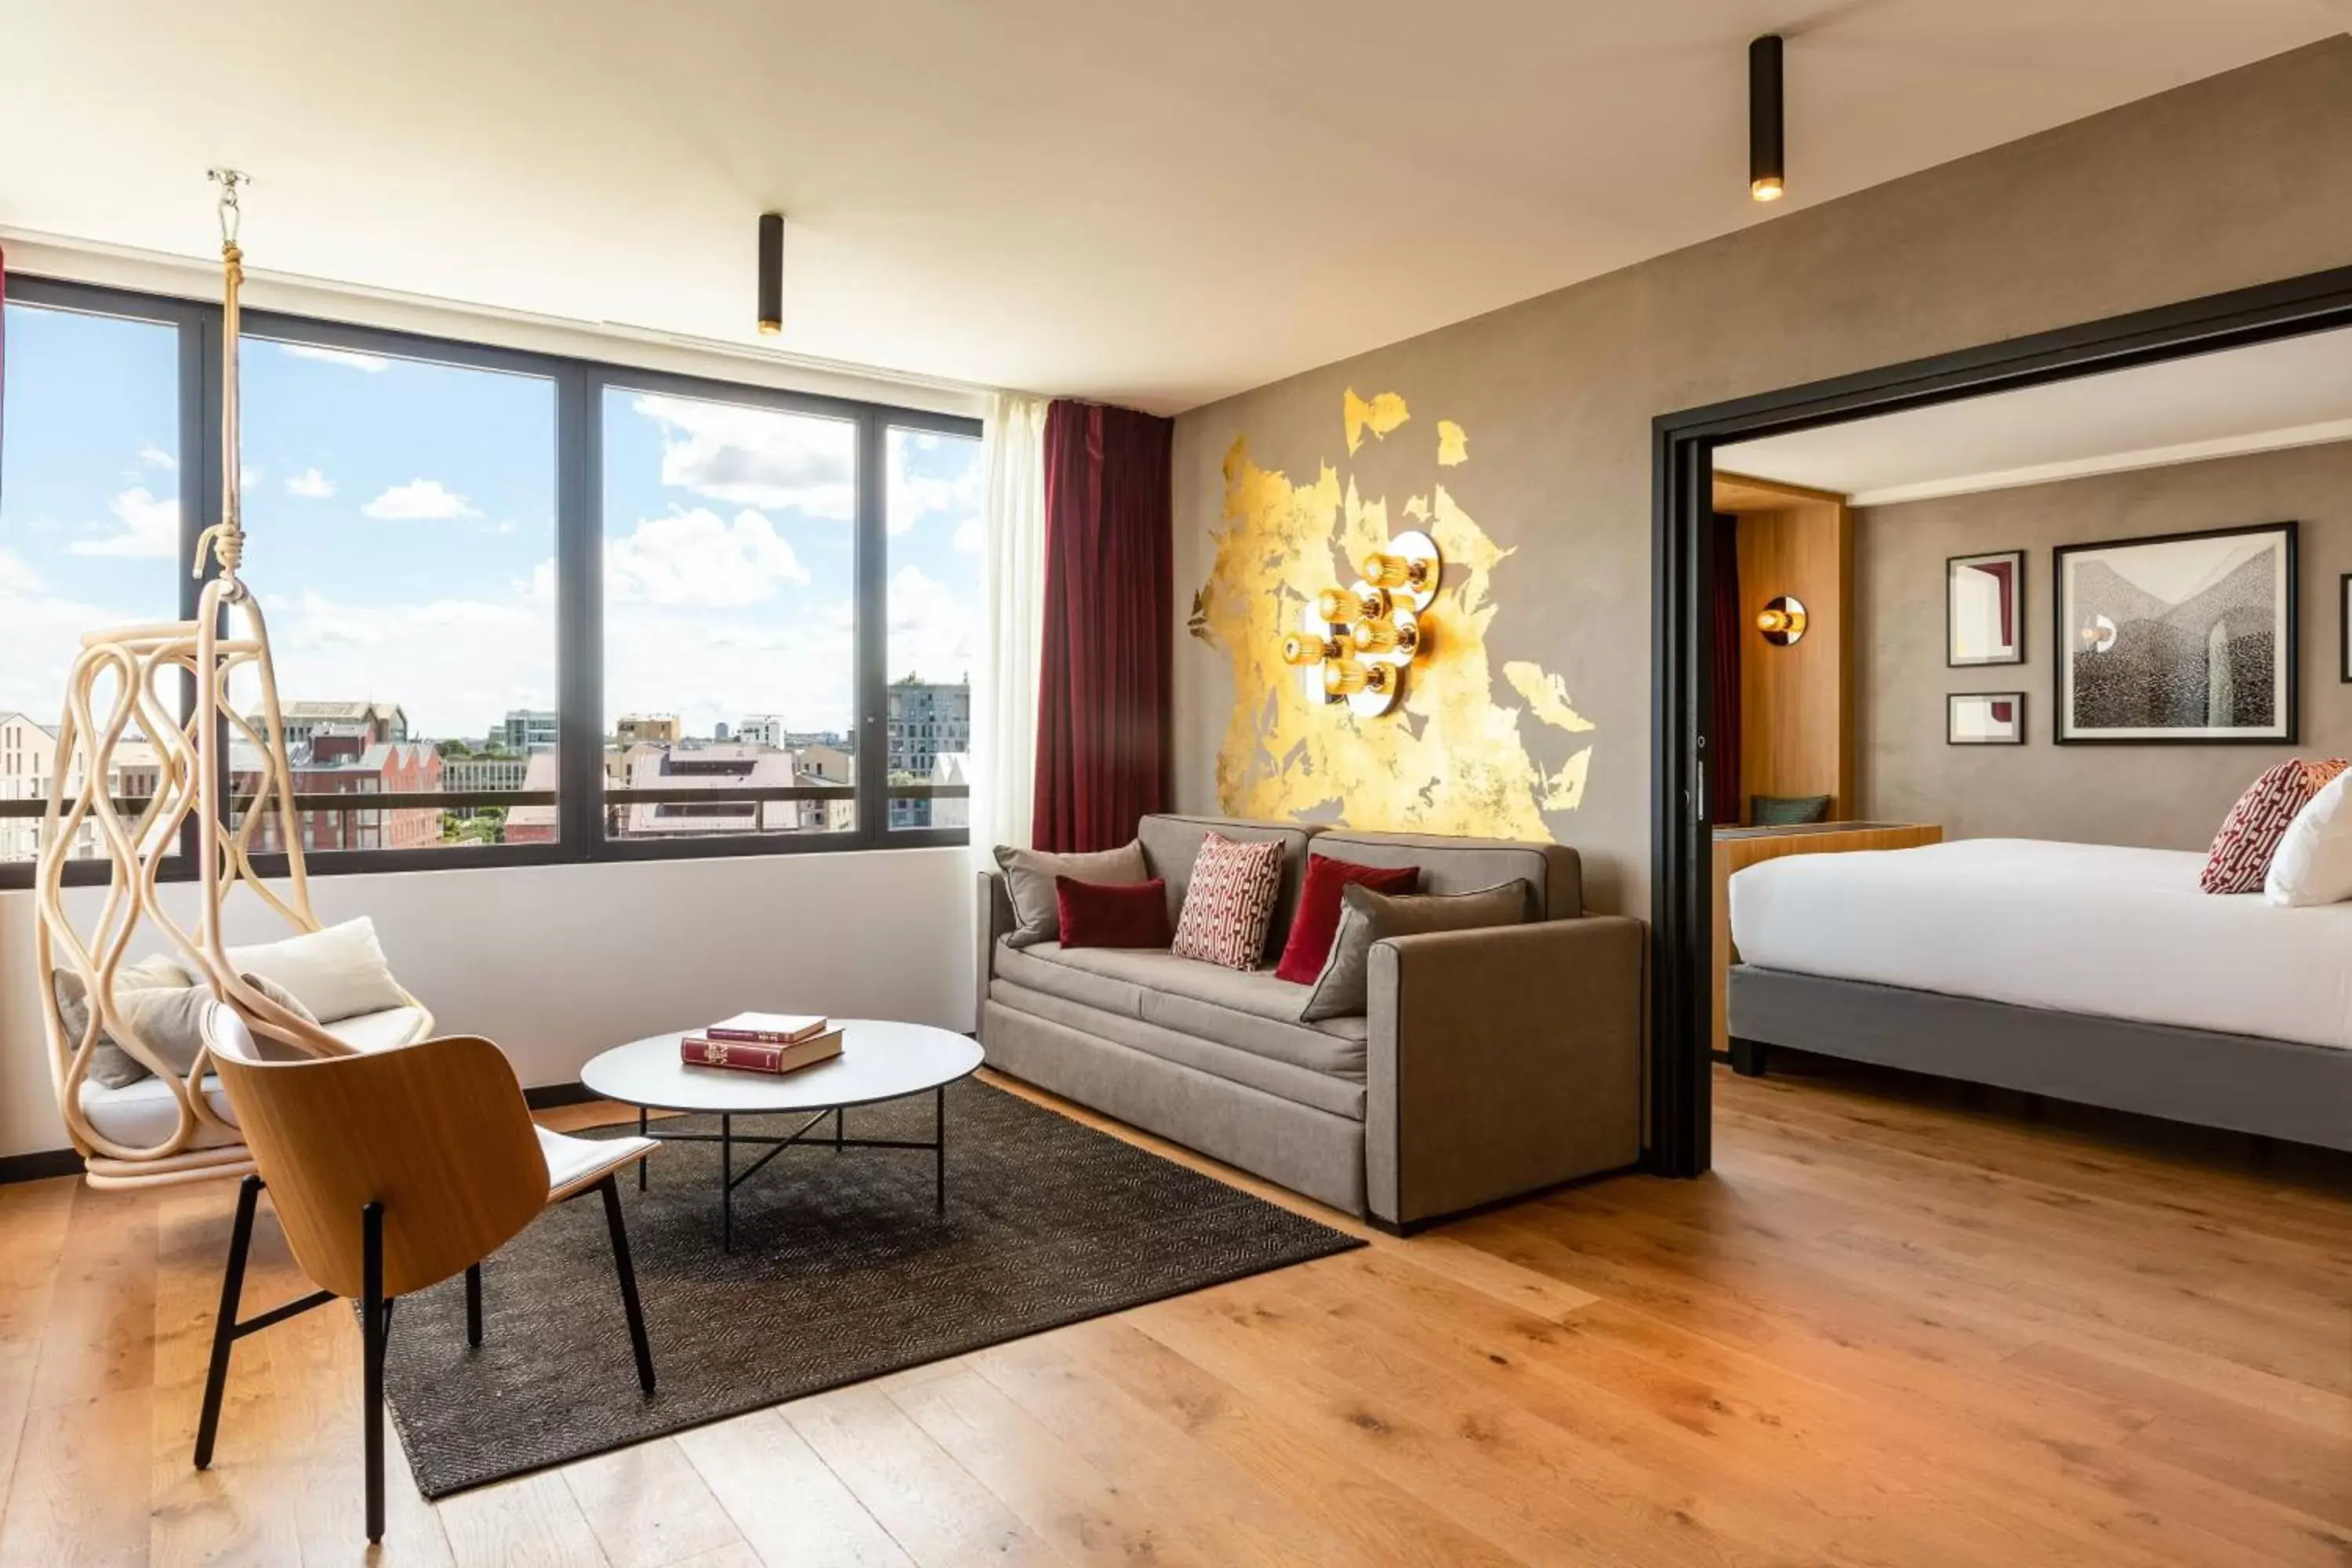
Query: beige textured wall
(2170,798)
(2237,179)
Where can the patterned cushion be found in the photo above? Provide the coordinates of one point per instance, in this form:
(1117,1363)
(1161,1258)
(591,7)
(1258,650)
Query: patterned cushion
(1230,902)
(2240,855)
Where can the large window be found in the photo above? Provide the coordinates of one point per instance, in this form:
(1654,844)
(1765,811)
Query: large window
(730,619)
(89,529)
(934,528)
(531,607)
(402,521)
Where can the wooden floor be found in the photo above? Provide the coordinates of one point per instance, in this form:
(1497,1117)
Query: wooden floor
(1884,1332)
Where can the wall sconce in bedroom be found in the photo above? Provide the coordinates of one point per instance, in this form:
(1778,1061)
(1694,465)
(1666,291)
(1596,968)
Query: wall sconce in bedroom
(1354,644)
(1782,622)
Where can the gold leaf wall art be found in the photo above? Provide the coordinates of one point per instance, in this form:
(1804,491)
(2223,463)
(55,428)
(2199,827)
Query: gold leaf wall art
(1451,758)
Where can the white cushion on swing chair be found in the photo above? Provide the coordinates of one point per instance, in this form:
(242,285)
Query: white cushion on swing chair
(144,1114)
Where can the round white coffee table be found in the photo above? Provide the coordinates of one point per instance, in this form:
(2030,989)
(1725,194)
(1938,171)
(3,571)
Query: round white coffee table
(879,1061)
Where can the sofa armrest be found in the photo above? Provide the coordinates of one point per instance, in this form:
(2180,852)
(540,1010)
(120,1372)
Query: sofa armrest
(1500,1062)
(992,919)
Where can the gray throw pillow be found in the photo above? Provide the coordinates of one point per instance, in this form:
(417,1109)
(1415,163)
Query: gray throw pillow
(1029,880)
(167,1014)
(1342,989)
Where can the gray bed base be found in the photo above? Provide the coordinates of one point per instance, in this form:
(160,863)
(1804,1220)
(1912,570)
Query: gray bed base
(2276,1089)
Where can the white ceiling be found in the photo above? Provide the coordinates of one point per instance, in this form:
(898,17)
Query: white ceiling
(1152,204)
(2294,393)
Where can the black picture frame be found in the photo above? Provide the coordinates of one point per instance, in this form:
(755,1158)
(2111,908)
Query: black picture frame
(2344,627)
(1952,566)
(2287,732)
(1952,702)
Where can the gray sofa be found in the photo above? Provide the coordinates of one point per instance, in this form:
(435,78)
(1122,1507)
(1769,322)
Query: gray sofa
(1492,1062)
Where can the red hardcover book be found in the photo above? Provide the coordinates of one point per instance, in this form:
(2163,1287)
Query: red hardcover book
(754,1056)
(767,1028)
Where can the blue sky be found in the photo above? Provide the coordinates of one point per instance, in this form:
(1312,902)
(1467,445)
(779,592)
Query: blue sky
(400,519)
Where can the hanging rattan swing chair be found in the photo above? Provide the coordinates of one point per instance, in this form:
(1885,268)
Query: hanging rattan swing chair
(126,686)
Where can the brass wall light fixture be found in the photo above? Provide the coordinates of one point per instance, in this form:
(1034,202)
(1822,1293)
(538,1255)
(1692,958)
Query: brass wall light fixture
(1782,622)
(1354,644)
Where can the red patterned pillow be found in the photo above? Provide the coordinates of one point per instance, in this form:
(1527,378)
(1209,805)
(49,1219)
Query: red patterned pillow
(1230,902)
(2240,855)
(1111,914)
(1317,923)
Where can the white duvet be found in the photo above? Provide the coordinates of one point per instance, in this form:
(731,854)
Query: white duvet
(2080,928)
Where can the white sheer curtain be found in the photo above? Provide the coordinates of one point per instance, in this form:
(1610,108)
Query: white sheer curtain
(1004,684)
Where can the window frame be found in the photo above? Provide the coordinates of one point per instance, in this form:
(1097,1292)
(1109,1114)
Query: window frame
(579,385)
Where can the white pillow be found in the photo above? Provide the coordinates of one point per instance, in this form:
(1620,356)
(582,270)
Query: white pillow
(338,973)
(2312,864)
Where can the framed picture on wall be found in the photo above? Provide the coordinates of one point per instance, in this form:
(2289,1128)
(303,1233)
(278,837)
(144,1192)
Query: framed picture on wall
(1984,609)
(2178,637)
(1985,718)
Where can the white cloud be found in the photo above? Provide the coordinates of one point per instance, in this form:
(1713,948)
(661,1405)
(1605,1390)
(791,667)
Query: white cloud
(146,525)
(455,664)
(249,477)
(311,485)
(16,573)
(970,534)
(156,458)
(371,363)
(696,558)
(932,632)
(916,497)
(705,668)
(419,500)
(755,456)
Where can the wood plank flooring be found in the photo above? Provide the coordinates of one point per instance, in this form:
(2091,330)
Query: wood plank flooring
(1886,1332)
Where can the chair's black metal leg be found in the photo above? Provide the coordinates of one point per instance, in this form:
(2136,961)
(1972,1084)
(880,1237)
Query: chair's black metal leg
(240,1241)
(629,1274)
(727,1184)
(940,1137)
(375,1321)
(837,1114)
(641,1133)
(474,1305)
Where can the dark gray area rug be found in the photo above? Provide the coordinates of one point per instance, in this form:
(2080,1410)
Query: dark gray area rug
(841,1271)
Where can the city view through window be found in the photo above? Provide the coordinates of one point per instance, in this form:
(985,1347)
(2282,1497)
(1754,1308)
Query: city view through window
(402,524)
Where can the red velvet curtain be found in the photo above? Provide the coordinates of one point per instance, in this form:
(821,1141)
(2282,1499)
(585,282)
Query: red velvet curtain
(1729,635)
(1109,617)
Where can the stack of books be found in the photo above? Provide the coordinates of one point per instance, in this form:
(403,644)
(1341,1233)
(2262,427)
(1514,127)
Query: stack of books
(762,1042)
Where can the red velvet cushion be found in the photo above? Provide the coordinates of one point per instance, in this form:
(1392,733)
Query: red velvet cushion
(1112,914)
(1316,924)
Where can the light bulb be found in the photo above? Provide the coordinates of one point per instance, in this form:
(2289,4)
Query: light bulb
(1386,636)
(1302,652)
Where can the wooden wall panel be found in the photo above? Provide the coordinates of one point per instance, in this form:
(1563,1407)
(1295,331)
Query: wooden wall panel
(1795,703)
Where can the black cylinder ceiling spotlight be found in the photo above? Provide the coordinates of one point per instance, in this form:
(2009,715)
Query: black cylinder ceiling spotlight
(772,273)
(1766,169)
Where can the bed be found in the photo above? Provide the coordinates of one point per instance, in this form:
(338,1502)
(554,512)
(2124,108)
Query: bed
(2086,972)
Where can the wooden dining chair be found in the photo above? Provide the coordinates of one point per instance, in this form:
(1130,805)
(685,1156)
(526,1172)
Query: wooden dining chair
(392,1172)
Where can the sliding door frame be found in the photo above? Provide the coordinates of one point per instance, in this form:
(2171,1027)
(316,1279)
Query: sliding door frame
(1682,447)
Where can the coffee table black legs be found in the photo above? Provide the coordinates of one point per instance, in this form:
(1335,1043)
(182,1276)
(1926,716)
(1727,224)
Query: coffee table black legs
(810,1133)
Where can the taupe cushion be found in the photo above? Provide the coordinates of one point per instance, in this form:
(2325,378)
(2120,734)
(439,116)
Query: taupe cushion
(1172,843)
(1029,881)
(1451,865)
(1367,916)
(1249,1010)
(157,1002)
(1285,1081)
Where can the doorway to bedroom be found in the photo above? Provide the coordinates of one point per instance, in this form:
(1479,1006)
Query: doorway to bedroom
(1962,668)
